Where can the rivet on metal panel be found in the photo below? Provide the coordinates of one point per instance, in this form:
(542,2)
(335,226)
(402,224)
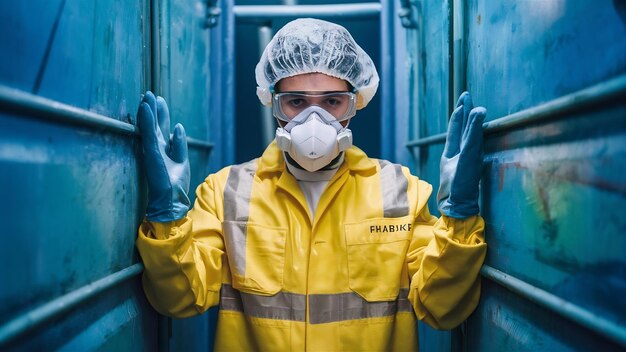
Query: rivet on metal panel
(213,12)
(407,13)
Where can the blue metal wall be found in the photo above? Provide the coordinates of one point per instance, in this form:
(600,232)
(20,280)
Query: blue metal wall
(72,189)
(552,75)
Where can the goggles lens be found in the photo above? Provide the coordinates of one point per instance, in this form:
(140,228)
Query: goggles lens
(287,105)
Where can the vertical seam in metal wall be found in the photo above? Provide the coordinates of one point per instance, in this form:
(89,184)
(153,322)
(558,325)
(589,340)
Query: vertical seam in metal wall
(46,54)
(387,115)
(163,323)
(228,154)
(418,75)
(450,57)
(155,49)
(93,51)
(146,28)
(456,86)
(458,51)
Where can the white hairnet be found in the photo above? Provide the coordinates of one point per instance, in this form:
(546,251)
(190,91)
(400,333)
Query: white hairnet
(310,45)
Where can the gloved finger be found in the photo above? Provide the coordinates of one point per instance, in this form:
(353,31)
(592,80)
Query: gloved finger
(179,151)
(150,99)
(473,139)
(461,99)
(453,138)
(468,105)
(147,127)
(163,118)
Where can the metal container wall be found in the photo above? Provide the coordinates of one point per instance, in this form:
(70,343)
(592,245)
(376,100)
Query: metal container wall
(552,75)
(71,76)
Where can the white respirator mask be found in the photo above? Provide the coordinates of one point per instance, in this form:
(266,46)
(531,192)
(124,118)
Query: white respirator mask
(313,138)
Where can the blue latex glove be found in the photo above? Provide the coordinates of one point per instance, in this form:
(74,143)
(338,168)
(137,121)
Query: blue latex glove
(462,160)
(165,160)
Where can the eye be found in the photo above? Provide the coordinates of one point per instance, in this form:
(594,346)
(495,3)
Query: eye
(333,101)
(295,102)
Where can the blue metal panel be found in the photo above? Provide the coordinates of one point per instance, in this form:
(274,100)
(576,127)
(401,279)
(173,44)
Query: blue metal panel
(504,322)
(222,114)
(69,52)
(189,59)
(428,85)
(26,60)
(42,160)
(115,321)
(527,53)
(71,174)
(551,177)
(553,190)
(69,195)
(70,179)
(551,75)
(398,98)
(184,64)
(391,105)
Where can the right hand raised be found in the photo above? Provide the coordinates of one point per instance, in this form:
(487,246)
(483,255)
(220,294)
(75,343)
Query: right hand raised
(462,160)
(166,161)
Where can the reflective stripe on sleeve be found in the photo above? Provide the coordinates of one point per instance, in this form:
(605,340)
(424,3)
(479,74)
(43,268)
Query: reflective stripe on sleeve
(326,308)
(236,211)
(237,191)
(394,186)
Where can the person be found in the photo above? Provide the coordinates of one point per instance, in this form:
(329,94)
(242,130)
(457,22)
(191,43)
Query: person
(313,246)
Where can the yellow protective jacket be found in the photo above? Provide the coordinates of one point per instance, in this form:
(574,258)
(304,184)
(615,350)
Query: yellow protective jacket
(352,278)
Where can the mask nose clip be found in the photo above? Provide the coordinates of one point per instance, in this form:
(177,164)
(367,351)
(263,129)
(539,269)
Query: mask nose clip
(322,115)
(315,116)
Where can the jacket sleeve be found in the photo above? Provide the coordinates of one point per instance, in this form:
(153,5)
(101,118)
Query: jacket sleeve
(183,259)
(444,261)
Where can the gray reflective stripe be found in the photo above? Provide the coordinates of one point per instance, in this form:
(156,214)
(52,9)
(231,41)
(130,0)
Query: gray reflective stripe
(237,191)
(230,299)
(394,186)
(404,305)
(236,211)
(235,238)
(281,306)
(323,308)
(351,306)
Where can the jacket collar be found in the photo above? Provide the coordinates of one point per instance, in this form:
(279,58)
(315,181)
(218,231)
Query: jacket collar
(272,161)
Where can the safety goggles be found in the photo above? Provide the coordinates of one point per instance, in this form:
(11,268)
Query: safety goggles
(287,105)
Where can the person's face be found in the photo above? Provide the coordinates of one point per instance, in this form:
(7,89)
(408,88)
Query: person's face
(312,83)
